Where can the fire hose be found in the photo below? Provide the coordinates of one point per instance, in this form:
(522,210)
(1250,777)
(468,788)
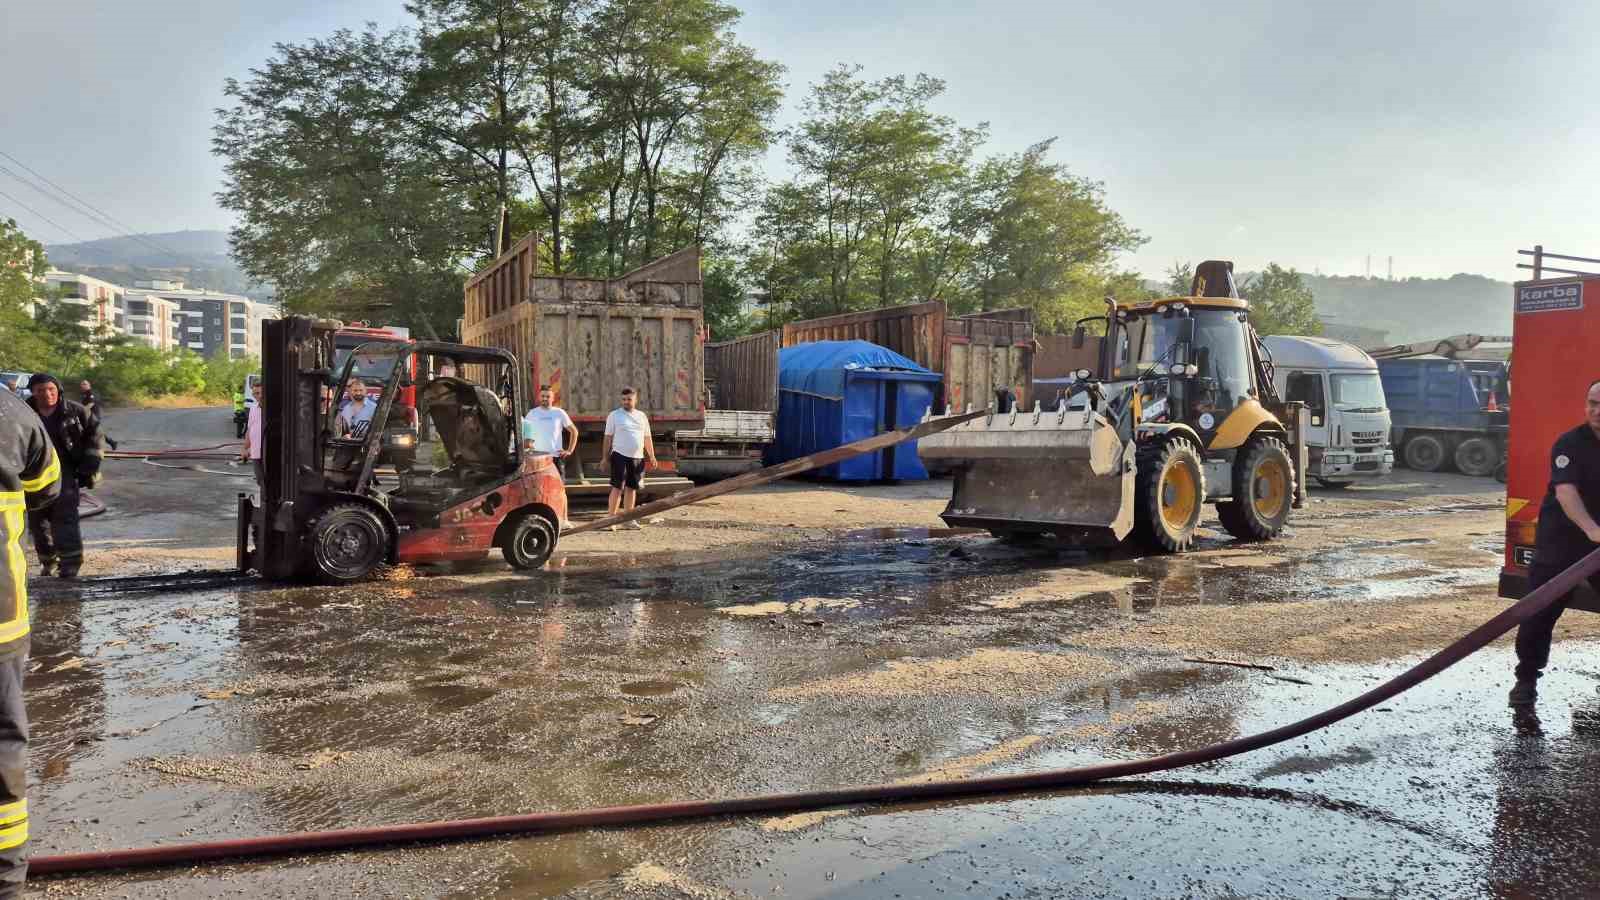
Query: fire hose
(344,839)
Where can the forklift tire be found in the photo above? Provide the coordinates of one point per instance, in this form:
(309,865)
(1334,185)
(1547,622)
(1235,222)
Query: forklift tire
(1170,493)
(1477,456)
(1263,491)
(348,541)
(530,543)
(1425,453)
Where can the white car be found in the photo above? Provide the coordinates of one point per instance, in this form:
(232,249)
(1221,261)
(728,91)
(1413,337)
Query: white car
(16,383)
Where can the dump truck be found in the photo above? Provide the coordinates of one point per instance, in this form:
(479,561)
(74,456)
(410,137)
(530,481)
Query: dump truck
(741,409)
(587,338)
(1179,411)
(1449,400)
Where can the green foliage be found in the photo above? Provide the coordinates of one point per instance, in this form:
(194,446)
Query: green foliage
(57,338)
(368,171)
(889,206)
(1281,303)
(1180,280)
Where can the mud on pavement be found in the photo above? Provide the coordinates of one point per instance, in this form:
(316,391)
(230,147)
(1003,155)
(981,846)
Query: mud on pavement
(807,637)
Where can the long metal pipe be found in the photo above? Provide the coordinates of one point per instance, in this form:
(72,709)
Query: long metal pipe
(345,839)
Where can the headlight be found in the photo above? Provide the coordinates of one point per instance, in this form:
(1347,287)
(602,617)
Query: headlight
(403,440)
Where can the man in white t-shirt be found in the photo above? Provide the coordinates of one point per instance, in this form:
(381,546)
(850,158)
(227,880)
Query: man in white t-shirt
(629,453)
(548,429)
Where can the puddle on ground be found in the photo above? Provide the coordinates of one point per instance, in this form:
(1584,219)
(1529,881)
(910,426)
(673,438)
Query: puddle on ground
(649,688)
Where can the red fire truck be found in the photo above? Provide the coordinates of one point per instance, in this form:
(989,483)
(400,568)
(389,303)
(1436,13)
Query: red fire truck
(1554,344)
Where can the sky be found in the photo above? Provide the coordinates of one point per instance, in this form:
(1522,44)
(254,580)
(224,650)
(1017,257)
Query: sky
(1315,134)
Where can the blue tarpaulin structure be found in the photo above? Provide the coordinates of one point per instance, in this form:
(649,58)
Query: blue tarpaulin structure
(831,393)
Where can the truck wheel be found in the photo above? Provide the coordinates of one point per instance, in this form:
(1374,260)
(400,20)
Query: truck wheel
(1171,488)
(348,541)
(530,542)
(1424,452)
(1477,456)
(1500,472)
(1263,491)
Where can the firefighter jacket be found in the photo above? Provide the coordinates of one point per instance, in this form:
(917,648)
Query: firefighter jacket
(76,434)
(30,478)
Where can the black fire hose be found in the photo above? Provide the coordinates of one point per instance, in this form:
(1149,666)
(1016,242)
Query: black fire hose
(344,839)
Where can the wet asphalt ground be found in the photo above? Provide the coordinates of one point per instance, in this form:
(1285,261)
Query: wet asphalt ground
(874,655)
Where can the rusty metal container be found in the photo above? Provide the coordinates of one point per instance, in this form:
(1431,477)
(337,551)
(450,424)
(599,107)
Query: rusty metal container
(743,373)
(589,337)
(977,354)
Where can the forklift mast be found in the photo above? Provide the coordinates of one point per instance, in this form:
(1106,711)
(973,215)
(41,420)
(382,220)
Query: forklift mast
(297,356)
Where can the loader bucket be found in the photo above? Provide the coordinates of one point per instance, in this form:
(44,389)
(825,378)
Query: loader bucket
(1064,473)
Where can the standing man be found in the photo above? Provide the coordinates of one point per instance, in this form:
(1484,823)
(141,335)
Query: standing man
(92,404)
(30,478)
(76,436)
(548,429)
(629,453)
(1567,533)
(251,451)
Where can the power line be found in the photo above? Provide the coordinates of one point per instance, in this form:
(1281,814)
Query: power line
(86,209)
(57,225)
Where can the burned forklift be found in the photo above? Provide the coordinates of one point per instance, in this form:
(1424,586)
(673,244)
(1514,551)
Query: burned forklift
(337,506)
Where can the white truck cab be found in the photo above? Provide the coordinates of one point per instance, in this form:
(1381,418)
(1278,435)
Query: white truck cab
(1348,438)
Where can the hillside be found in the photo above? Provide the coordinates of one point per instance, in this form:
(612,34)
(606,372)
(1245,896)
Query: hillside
(197,258)
(1416,309)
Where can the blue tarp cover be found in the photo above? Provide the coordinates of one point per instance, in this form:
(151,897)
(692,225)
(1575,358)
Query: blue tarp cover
(819,368)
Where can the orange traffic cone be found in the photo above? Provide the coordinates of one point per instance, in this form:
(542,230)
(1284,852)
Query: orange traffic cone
(1494,405)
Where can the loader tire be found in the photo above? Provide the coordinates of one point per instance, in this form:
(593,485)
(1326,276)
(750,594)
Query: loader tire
(1263,491)
(1171,489)
(530,542)
(347,542)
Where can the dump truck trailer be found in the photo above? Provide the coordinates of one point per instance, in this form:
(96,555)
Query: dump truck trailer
(1180,411)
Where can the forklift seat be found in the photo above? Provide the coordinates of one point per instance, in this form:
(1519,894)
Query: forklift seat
(471,424)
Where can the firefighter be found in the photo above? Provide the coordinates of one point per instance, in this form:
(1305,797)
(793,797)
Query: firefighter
(29,478)
(76,436)
(1567,533)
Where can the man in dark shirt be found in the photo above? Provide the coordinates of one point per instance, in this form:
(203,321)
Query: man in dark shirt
(1567,533)
(76,436)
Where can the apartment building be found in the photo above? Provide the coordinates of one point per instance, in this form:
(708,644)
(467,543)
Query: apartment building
(167,315)
(103,303)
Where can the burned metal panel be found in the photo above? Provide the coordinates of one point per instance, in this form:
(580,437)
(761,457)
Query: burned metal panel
(743,373)
(915,331)
(985,355)
(588,337)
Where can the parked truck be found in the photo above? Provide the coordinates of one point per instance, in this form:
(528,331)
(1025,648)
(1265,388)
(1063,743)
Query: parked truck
(1555,329)
(741,409)
(1347,432)
(587,338)
(1449,401)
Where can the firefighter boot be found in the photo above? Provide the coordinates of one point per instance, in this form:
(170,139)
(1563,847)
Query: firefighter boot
(1525,692)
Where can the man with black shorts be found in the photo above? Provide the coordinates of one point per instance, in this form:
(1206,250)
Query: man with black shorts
(1567,533)
(628,452)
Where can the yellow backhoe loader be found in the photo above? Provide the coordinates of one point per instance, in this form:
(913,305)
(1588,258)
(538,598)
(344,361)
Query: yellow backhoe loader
(1178,411)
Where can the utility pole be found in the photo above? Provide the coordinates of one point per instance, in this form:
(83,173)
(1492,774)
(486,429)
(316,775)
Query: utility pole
(1369,265)
(1391,268)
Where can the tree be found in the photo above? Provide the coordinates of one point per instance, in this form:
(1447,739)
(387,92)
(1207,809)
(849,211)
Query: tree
(1049,242)
(1281,303)
(1180,280)
(342,199)
(22,268)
